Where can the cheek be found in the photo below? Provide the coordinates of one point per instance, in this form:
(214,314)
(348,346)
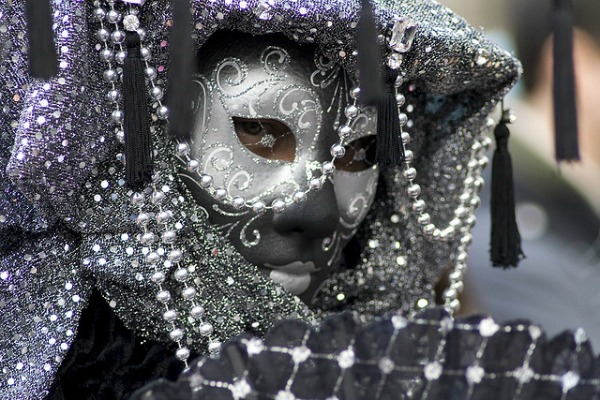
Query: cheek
(355,192)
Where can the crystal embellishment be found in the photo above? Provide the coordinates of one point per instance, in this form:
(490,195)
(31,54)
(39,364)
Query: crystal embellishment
(131,23)
(402,34)
(394,60)
(263,11)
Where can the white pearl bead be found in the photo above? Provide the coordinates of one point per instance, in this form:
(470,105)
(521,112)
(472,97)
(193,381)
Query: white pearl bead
(238,202)
(419,206)
(258,206)
(424,219)
(168,237)
(176,334)
(106,55)
(137,199)
(408,155)
(147,238)
(299,197)
(113,16)
(158,277)
(206,181)
(456,275)
(197,311)
(351,111)
(103,34)
(183,149)
(193,165)
(99,14)
(120,57)
(214,347)
(429,229)
(175,255)
(152,257)
(112,96)
(163,217)
(142,218)
(117,36)
(206,329)
(400,99)
(278,205)
(156,92)
(120,136)
(181,274)
(116,116)
(158,197)
(182,353)
(145,53)
(189,293)
(163,296)
(403,119)
(405,138)
(327,168)
(315,184)
(354,93)
(414,190)
(162,112)
(344,131)
(150,72)
(338,151)
(220,193)
(410,173)
(170,315)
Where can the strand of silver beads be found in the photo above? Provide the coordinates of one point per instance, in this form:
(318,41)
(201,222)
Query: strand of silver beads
(184,151)
(111,51)
(464,214)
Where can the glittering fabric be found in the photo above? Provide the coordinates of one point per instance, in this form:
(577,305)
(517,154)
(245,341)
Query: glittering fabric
(67,224)
(429,356)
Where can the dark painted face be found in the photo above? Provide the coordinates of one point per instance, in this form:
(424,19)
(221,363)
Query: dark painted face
(267,116)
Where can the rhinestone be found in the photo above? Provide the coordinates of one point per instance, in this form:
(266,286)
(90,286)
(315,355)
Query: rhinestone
(131,23)
(354,93)
(206,329)
(258,206)
(182,353)
(262,11)
(351,111)
(338,151)
(117,36)
(197,311)
(278,205)
(474,374)
(206,181)
(487,327)
(189,293)
(432,371)
(299,197)
(113,17)
(163,296)
(181,274)
(170,315)
(175,256)
(158,277)
(238,202)
(402,35)
(176,334)
(394,61)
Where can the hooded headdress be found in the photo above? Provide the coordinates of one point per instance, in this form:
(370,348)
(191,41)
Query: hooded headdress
(69,223)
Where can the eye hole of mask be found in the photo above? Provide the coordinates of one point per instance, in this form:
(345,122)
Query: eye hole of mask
(360,155)
(268,138)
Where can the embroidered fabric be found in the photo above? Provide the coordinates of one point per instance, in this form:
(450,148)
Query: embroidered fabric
(425,356)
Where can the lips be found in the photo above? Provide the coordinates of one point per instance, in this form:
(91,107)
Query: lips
(295,277)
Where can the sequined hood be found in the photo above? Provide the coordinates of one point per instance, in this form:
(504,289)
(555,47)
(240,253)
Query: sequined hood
(67,224)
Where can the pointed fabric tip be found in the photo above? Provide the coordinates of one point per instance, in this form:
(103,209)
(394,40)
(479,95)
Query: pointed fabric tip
(136,119)
(389,148)
(369,57)
(181,68)
(565,106)
(42,54)
(505,237)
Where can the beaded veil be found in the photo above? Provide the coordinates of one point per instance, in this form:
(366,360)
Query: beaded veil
(68,224)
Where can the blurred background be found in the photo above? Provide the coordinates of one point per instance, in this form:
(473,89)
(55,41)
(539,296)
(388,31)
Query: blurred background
(557,285)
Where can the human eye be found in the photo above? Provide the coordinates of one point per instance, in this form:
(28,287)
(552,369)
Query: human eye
(268,138)
(359,156)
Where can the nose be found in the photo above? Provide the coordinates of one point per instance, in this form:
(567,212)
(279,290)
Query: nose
(317,217)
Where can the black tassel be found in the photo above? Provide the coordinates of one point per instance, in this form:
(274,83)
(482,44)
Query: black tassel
(138,143)
(42,54)
(369,58)
(389,151)
(181,67)
(565,106)
(506,239)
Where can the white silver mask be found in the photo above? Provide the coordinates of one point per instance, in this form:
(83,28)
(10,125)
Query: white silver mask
(267,114)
